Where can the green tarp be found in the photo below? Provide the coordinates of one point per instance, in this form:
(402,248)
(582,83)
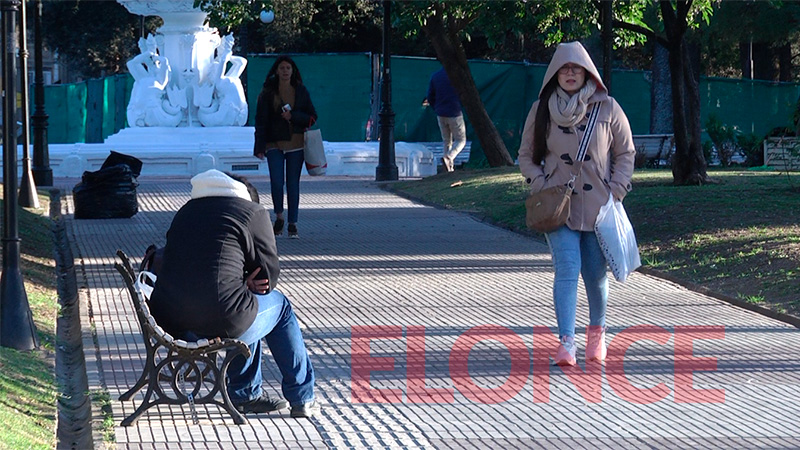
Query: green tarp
(345,92)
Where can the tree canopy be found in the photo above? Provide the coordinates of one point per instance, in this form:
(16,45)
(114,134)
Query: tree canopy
(97,38)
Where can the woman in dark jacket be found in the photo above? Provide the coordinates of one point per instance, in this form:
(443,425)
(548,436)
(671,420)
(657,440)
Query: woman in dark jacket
(284,112)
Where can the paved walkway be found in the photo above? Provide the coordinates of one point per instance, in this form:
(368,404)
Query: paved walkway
(369,258)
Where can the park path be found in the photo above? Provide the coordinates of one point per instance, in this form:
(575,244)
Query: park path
(369,261)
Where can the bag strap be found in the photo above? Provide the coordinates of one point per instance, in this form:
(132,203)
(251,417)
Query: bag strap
(584,144)
(587,136)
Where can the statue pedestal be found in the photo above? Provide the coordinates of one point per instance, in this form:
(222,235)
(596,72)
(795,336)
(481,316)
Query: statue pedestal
(187,151)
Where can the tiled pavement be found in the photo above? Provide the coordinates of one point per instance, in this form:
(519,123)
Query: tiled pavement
(369,258)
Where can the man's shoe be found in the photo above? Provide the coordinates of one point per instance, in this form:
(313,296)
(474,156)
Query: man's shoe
(448,163)
(293,231)
(263,404)
(596,343)
(565,356)
(307,410)
(278,227)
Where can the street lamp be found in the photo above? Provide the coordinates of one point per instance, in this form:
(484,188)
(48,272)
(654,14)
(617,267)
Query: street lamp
(16,324)
(42,173)
(27,187)
(267,16)
(387,167)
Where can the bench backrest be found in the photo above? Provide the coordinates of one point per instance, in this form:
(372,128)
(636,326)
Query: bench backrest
(147,322)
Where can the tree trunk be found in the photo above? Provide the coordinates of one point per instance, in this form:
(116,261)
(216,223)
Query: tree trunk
(687,168)
(785,62)
(607,18)
(661,92)
(764,62)
(746,59)
(692,92)
(451,54)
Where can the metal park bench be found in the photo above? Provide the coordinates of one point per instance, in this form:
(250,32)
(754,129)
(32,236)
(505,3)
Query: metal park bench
(656,148)
(437,148)
(178,372)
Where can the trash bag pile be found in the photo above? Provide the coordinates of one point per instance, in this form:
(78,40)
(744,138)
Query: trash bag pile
(110,192)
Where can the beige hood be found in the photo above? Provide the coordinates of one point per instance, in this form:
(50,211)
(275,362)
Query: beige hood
(573,52)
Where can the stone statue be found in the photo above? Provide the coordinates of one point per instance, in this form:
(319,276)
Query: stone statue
(220,97)
(152,104)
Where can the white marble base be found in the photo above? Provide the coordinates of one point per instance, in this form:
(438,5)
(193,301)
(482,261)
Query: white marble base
(189,151)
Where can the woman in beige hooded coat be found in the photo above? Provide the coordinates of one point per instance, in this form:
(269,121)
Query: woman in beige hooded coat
(556,123)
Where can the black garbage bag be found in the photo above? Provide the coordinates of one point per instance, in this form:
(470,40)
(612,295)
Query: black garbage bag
(106,194)
(120,158)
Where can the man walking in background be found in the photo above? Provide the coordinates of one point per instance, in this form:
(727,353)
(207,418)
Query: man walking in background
(444,101)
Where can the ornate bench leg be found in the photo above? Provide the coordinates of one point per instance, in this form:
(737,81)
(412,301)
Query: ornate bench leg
(238,418)
(146,403)
(143,380)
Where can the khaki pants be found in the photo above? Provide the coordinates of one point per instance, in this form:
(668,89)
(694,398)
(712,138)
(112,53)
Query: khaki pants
(454,136)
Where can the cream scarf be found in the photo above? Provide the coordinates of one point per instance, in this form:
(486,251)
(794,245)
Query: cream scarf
(568,110)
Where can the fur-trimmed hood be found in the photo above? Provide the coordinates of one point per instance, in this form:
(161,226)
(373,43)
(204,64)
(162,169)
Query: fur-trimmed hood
(573,52)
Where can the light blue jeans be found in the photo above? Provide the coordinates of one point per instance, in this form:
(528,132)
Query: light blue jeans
(292,162)
(577,252)
(277,324)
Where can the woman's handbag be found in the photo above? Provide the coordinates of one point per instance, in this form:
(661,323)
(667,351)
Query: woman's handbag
(617,240)
(314,153)
(548,209)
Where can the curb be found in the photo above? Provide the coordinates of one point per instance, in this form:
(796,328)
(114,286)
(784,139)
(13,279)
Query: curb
(74,427)
(783,317)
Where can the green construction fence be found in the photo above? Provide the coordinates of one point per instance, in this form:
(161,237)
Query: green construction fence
(346,94)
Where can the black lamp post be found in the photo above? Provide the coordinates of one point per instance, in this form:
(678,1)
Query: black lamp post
(42,173)
(16,324)
(387,167)
(27,187)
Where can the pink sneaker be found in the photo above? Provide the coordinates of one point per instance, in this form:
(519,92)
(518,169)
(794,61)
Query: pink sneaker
(596,343)
(565,356)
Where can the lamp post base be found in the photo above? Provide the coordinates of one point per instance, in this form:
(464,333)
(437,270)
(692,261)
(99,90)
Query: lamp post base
(28,197)
(388,173)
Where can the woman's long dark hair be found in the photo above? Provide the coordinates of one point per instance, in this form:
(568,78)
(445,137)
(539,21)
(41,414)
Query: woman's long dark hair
(271,82)
(541,124)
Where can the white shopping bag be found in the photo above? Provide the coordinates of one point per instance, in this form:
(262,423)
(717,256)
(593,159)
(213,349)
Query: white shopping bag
(314,153)
(617,240)
(145,282)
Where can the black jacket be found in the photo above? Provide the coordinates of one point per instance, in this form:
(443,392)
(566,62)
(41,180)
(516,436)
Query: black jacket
(271,127)
(213,243)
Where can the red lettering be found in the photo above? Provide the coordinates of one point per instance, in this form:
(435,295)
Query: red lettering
(459,364)
(416,391)
(686,364)
(362,364)
(589,382)
(615,370)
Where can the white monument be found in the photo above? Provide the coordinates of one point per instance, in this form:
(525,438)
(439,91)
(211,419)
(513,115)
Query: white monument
(188,110)
(181,76)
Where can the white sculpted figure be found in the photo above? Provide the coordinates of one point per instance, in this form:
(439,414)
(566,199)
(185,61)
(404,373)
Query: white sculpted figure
(220,99)
(152,104)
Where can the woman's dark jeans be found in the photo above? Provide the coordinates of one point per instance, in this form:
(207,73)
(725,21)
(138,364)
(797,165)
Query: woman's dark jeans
(293,167)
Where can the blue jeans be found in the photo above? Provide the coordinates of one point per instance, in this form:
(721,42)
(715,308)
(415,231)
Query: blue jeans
(294,166)
(577,252)
(276,323)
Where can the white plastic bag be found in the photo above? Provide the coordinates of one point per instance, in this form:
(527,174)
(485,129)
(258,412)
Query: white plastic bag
(617,240)
(314,153)
(145,282)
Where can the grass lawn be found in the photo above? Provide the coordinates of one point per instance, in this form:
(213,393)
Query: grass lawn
(739,236)
(28,391)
